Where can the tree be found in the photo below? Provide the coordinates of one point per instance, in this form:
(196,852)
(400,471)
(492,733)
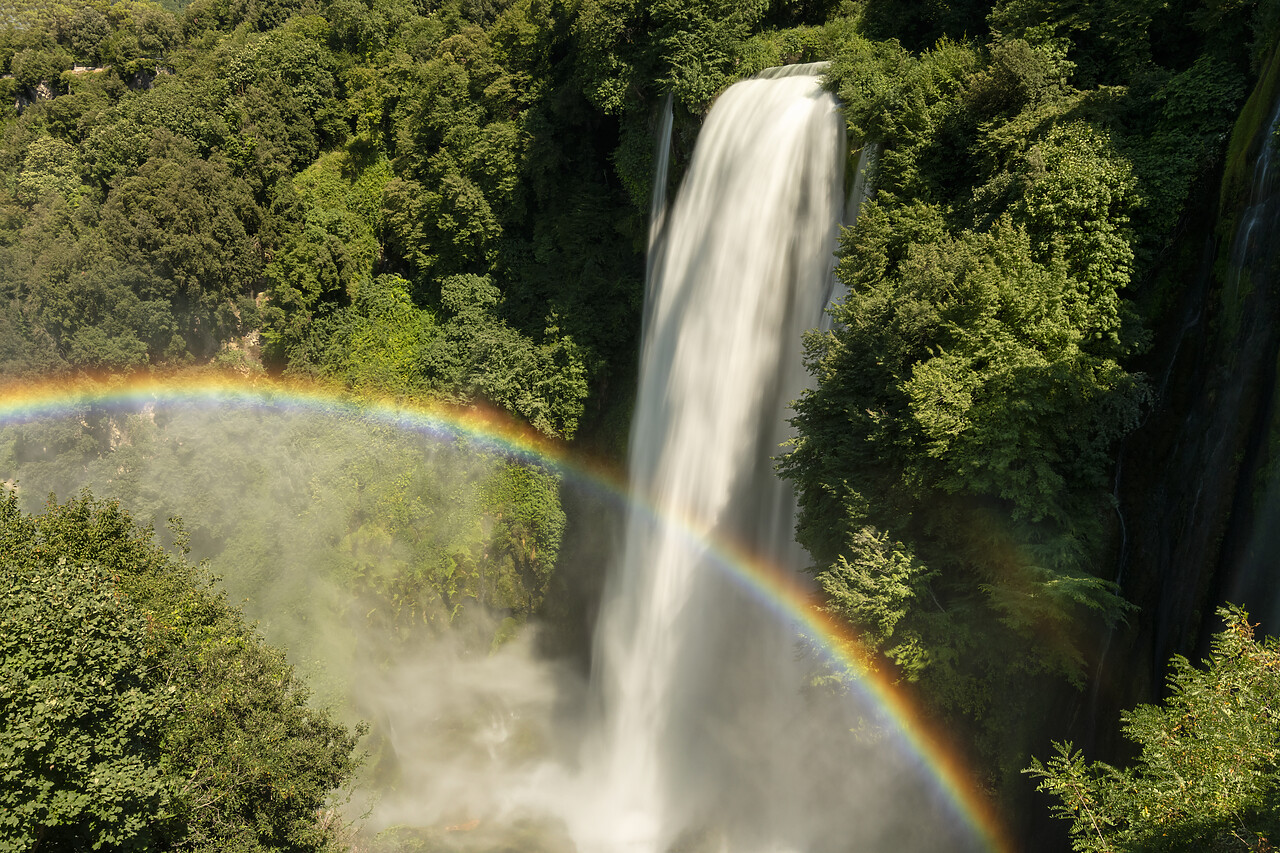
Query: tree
(1207,777)
(952,458)
(83,708)
(480,356)
(137,710)
(51,166)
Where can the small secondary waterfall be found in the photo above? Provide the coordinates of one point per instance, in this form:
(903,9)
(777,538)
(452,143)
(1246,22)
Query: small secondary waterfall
(859,192)
(741,271)
(1198,528)
(1255,249)
(658,204)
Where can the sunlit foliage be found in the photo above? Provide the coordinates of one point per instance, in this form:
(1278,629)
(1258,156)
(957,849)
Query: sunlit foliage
(1206,775)
(137,709)
(445,201)
(954,459)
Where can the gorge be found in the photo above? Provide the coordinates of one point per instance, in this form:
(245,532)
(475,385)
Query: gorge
(634,504)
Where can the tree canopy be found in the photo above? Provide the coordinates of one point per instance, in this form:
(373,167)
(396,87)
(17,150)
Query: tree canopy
(954,459)
(1206,776)
(138,711)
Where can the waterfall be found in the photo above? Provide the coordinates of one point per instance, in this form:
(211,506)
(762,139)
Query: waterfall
(707,738)
(658,206)
(741,271)
(859,192)
(1251,269)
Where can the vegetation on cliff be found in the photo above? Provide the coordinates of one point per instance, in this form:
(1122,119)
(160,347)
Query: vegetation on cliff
(955,459)
(1206,774)
(445,201)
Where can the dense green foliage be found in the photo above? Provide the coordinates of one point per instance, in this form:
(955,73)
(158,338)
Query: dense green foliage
(221,170)
(444,201)
(954,459)
(1206,777)
(229,170)
(138,711)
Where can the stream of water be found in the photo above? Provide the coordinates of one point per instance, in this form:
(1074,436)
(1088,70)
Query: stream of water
(741,272)
(702,730)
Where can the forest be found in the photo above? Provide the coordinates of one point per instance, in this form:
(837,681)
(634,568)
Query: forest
(1033,467)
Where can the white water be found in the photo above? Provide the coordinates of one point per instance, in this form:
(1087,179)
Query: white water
(859,193)
(658,203)
(741,272)
(705,743)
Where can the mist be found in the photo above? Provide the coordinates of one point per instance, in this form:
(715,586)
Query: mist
(382,561)
(405,575)
(377,558)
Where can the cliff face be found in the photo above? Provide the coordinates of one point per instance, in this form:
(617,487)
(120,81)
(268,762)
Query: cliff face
(1192,480)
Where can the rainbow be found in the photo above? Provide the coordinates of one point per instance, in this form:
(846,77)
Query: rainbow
(489,429)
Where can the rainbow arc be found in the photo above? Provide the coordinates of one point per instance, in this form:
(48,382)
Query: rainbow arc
(933,754)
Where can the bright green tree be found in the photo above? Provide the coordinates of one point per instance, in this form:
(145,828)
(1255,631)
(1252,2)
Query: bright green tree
(84,707)
(1207,777)
(137,710)
(952,458)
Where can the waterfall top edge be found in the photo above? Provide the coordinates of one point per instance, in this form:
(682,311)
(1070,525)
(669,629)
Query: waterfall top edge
(803,69)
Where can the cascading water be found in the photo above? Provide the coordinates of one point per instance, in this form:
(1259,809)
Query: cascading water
(707,739)
(740,274)
(1250,564)
(658,204)
(1192,479)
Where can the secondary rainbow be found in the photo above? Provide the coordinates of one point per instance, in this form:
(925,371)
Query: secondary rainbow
(498,432)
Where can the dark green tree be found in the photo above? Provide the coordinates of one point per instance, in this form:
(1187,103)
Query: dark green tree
(952,459)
